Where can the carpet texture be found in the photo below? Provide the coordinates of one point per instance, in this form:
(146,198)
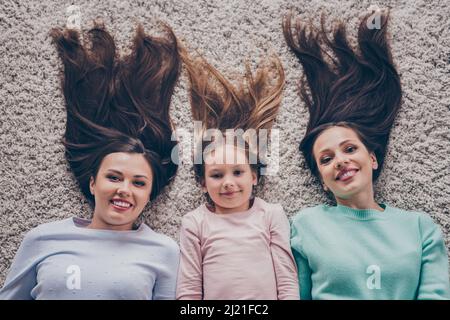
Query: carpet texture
(36,185)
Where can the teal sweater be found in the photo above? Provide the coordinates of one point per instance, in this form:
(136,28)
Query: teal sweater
(345,253)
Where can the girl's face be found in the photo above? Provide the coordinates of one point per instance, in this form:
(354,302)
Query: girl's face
(121,189)
(344,163)
(229,179)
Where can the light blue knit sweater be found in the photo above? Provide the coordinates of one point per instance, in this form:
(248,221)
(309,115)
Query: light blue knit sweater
(65,260)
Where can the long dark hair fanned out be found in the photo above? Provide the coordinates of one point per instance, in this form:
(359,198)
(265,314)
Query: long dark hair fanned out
(359,90)
(221,105)
(118,105)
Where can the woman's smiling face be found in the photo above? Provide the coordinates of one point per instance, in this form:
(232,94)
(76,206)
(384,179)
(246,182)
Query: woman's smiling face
(344,163)
(121,190)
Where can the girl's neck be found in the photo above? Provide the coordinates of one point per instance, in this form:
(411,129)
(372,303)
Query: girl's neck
(220,210)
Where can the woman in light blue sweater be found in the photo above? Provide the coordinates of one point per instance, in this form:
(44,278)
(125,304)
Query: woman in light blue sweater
(359,249)
(118,144)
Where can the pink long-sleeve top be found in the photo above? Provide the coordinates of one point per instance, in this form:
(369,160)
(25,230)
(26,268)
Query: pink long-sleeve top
(237,256)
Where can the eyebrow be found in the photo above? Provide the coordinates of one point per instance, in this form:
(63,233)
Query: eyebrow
(217,170)
(340,144)
(234,166)
(135,176)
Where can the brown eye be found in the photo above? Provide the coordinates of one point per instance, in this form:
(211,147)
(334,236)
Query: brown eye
(139,183)
(113,178)
(350,149)
(325,160)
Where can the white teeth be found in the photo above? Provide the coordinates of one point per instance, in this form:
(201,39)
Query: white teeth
(348,174)
(122,204)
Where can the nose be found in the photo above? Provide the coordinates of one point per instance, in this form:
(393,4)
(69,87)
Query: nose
(124,189)
(341,161)
(228,183)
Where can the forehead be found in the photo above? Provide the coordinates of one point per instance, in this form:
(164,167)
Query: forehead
(332,137)
(226,155)
(127,163)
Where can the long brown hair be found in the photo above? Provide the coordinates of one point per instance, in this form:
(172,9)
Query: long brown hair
(219,104)
(359,90)
(118,105)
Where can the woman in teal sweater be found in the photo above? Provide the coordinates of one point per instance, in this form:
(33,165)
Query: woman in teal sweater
(359,249)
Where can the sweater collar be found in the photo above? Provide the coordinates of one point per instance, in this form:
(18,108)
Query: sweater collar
(362,214)
(82,223)
(257,203)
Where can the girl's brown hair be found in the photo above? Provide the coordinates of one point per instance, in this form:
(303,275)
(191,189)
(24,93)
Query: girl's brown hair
(359,90)
(218,104)
(118,105)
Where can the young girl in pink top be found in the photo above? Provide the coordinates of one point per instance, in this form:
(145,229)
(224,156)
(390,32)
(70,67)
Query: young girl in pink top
(235,246)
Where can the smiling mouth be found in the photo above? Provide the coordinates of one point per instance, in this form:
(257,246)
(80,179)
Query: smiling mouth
(121,205)
(346,174)
(229,194)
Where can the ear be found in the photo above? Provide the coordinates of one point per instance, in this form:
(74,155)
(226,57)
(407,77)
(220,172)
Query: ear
(254,178)
(91,185)
(203,184)
(324,186)
(374,161)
